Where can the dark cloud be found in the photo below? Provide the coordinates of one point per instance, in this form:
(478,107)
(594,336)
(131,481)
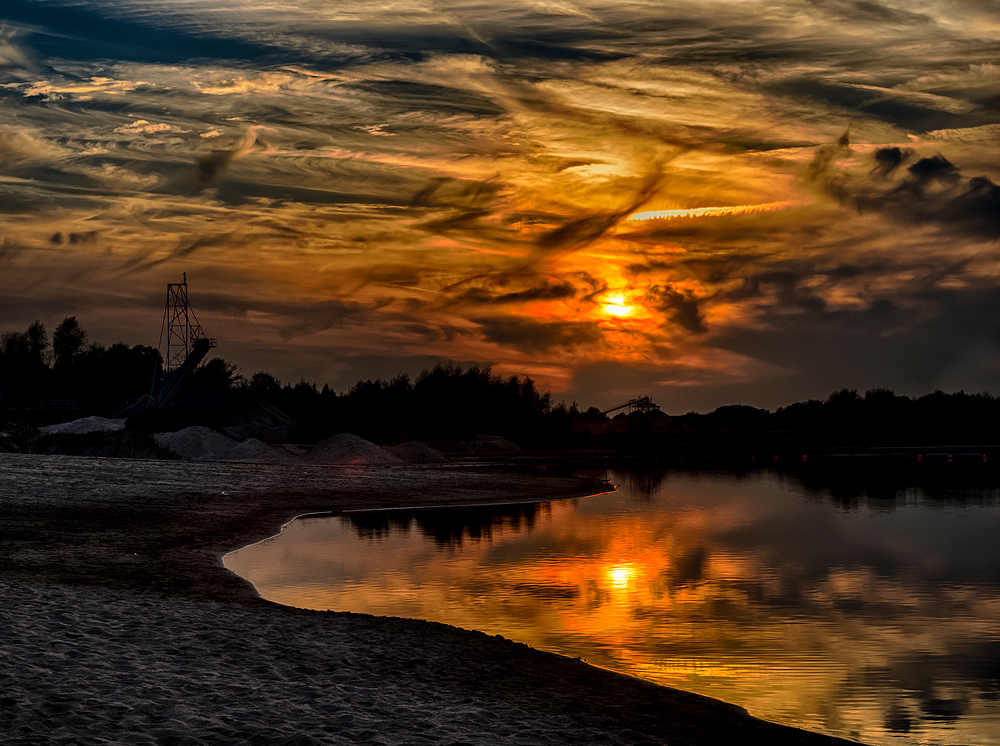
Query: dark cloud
(887,160)
(822,170)
(10,249)
(401,276)
(191,244)
(213,165)
(931,191)
(317,317)
(237,192)
(681,308)
(423,197)
(542,292)
(533,336)
(787,285)
(869,100)
(459,208)
(927,171)
(576,234)
(581,231)
(82,238)
(869,11)
(90,31)
(916,116)
(458,220)
(711,267)
(294,319)
(520,286)
(185,247)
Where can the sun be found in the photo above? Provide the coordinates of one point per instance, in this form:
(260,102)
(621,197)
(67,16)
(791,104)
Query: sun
(615,305)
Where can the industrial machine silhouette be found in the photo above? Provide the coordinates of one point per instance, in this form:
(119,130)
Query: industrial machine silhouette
(641,404)
(187,345)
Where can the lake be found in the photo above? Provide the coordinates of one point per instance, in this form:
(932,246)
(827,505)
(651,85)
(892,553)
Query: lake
(868,610)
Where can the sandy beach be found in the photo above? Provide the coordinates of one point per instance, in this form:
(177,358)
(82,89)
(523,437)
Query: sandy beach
(120,624)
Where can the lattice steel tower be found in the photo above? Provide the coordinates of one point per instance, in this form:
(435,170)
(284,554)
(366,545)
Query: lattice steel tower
(183,329)
(186,345)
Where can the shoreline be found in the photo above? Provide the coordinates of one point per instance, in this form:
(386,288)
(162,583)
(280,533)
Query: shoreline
(151,639)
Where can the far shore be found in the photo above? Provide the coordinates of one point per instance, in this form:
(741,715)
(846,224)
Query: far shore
(122,625)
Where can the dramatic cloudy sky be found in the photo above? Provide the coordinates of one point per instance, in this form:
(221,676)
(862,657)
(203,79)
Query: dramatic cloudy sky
(709,201)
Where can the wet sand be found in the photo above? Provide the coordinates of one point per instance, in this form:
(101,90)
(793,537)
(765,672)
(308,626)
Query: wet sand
(120,625)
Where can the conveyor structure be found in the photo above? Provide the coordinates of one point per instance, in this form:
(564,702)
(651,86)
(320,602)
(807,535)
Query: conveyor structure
(640,404)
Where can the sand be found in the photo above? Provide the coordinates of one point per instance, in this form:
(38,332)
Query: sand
(120,625)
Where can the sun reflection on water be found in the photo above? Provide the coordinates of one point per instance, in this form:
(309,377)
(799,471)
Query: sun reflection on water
(741,589)
(621,576)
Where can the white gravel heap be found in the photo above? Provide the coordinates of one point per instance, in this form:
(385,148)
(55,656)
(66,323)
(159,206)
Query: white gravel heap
(415,452)
(257,451)
(348,449)
(85,425)
(197,444)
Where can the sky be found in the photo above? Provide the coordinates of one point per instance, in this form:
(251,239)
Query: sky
(711,202)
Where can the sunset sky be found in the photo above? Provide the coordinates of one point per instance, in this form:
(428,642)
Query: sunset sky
(711,202)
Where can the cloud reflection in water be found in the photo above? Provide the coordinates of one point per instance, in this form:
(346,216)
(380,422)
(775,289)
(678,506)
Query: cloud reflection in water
(875,617)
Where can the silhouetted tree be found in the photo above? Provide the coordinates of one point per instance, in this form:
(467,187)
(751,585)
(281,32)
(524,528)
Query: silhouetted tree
(67,342)
(217,374)
(265,386)
(24,373)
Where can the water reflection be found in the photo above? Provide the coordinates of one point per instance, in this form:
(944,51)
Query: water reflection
(873,614)
(452,526)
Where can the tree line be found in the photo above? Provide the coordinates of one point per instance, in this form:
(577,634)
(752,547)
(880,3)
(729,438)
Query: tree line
(449,402)
(443,403)
(38,380)
(70,374)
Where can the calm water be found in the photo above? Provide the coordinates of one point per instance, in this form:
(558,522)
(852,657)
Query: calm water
(869,613)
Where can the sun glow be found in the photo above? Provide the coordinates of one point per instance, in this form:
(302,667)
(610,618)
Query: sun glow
(616,305)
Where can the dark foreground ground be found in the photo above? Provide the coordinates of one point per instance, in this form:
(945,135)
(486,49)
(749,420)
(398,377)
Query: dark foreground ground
(120,625)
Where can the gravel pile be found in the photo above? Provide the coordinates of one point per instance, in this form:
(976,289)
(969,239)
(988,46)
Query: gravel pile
(197,444)
(415,452)
(85,425)
(345,448)
(257,451)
